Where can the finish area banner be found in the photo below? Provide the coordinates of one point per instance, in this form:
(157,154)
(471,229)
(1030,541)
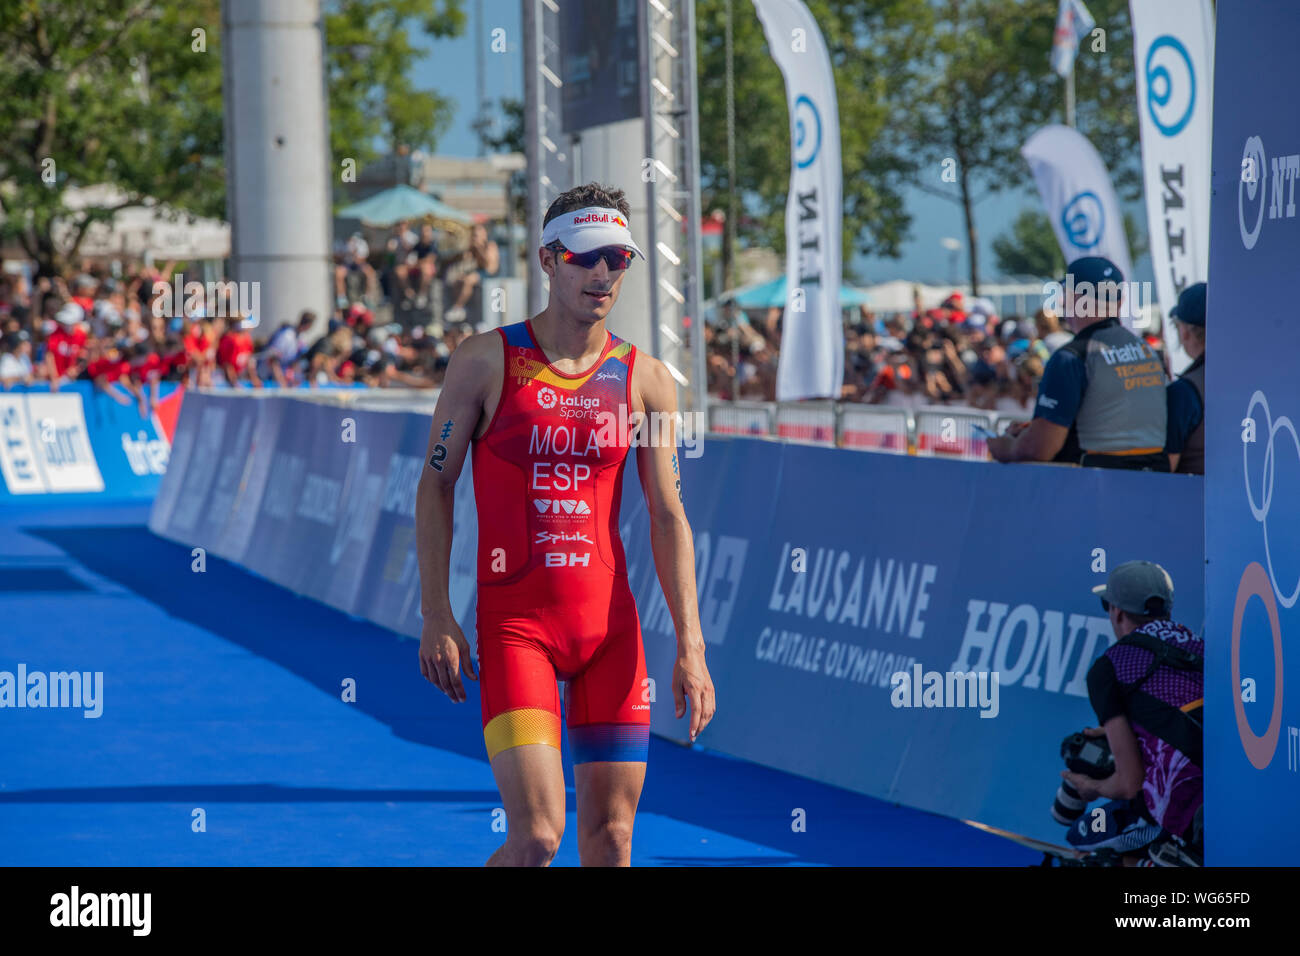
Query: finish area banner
(1079,198)
(811,364)
(1252,453)
(1173,47)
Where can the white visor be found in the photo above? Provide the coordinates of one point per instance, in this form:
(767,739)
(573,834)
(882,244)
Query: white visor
(582,230)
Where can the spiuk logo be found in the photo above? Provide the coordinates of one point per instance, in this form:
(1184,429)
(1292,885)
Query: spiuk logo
(551,537)
(546,397)
(607,377)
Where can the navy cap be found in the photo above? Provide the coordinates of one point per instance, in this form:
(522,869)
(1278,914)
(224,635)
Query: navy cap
(1094,269)
(1191,305)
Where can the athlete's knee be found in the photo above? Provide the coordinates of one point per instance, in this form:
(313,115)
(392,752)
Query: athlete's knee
(538,843)
(611,836)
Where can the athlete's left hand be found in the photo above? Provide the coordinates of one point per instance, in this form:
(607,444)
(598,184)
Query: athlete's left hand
(691,679)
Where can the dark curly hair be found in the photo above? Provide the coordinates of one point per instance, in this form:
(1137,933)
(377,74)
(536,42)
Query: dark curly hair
(592,194)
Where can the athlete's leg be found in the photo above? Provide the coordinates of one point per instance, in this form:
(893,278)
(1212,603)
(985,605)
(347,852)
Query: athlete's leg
(521,729)
(608,712)
(531,781)
(608,793)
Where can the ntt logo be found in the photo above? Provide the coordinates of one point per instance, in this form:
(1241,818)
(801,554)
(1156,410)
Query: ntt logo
(1255,192)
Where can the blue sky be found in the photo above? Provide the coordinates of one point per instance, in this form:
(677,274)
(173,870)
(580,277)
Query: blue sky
(450,69)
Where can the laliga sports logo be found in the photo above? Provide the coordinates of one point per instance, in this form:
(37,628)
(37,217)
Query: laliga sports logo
(1170,101)
(1084,220)
(807,132)
(546,397)
(1258,583)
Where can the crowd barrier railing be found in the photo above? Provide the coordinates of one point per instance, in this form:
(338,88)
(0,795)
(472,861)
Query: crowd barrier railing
(807,422)
(942,431)
(742,418)
(874,428)
(952,433)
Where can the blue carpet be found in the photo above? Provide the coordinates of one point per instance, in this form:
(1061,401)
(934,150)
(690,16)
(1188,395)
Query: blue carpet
(222,704)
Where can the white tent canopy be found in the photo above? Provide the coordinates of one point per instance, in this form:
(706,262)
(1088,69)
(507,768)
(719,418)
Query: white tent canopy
(896,296)
(152,229)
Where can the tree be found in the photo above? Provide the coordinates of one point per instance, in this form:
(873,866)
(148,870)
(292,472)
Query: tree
(510,139)
(1031,248)
(867,41)
(369,55)
(985,86)
(127,93)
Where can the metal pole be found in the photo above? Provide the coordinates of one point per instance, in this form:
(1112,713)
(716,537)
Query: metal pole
(729,239)
(1069,98)
(646,64)
(694,243)
(533,105)
(480,56)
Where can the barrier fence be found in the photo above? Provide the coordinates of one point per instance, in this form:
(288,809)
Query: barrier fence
(81,443)
(940,431)
(814,588)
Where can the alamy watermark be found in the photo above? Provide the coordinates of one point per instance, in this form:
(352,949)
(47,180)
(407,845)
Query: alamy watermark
(948,689)
(72,689)
(628,427)
(1089,300)
(224,300)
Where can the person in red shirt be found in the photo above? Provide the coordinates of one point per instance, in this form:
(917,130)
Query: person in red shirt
(64,347)
(234,354)
(107,366)
(83,289)
(201,348)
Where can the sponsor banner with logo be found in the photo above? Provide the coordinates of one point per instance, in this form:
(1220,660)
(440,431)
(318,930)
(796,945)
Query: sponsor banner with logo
(812,341)
(812,592)
(316,498)
(1079,198)
(1173,47)
(925,563)
(1252,467)
(80,443)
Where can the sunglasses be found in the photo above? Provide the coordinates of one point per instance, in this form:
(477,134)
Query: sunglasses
(1105,605)
(616,257)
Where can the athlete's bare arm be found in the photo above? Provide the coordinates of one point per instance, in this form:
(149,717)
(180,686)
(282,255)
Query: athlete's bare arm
(653,391)
(472,382)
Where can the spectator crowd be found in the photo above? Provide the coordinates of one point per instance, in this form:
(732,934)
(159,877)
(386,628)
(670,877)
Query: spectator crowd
(115,327)
(940,356)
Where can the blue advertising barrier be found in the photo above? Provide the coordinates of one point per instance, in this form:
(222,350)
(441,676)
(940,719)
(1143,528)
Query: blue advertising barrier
(821,573)
(1252,467)
(79,443)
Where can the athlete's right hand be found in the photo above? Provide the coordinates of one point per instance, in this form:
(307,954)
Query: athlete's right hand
(443,653)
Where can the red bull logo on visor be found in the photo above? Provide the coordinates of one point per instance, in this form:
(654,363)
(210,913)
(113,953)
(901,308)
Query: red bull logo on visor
(599,217)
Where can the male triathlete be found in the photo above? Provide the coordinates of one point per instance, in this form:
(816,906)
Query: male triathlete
(548,404)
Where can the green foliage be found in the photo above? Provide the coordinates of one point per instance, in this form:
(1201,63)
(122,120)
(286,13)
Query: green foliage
(123,93)
(984,86)
(369,57)
(1030,249)
(865,39)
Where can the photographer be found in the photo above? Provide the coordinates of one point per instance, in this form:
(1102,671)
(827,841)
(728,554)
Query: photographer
(1147,691)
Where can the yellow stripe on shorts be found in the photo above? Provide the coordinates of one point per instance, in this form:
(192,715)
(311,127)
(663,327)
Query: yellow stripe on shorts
(527,725)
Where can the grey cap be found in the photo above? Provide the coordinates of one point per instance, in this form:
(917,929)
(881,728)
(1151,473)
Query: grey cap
(1132,586)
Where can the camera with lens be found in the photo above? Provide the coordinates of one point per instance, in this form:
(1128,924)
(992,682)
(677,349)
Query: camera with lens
(1089,756)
